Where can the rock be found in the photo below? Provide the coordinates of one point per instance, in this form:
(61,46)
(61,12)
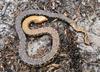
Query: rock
(96,28)
(4,30)
(1,44)
(35,45)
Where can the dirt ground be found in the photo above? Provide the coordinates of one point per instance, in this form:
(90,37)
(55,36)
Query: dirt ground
(73,54)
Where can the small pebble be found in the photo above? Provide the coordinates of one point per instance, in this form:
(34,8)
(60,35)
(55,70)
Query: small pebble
(1,44)
(4,30)
(96,28)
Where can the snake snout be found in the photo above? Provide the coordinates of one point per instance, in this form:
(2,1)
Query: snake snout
(40,19)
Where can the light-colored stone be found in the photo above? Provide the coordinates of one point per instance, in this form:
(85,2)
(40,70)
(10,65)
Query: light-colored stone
(99,1)
(34,45)
(1,44)
(96,28)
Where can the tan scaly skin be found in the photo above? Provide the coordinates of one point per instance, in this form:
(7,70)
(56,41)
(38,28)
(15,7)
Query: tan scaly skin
(80,29)
(35,19)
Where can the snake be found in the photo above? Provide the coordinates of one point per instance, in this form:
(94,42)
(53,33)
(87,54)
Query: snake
(22,25)
(46,30)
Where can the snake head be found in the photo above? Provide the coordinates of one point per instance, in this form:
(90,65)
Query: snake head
(39,19)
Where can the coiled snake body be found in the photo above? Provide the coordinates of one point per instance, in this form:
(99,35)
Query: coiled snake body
(47,30)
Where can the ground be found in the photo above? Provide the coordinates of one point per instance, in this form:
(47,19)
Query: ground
(73,55)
